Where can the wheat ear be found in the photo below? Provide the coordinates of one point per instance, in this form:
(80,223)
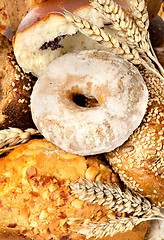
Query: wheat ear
(140,14)
(109,228)
(11,137)
(115,199)
(126,27)
(108,41)
(120,20)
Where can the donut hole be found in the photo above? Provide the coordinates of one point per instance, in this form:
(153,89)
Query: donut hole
(85,101)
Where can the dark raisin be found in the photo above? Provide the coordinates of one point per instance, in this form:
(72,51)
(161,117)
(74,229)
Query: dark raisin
(12,225)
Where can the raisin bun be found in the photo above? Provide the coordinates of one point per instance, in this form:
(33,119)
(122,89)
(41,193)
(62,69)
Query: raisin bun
(45,34)
(36,199)
(15,90)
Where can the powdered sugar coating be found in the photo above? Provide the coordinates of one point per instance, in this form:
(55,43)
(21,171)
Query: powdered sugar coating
(115,83)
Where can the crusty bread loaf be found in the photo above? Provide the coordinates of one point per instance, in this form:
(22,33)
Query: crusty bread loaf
(17,9)
(4,21)
(36,200)
(15,90)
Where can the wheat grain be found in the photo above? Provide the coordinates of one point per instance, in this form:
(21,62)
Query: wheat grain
(120,20)
(108,41)
(140,14)
(11,137)
(111,227)
(115,199)
(105,39)
(126,27)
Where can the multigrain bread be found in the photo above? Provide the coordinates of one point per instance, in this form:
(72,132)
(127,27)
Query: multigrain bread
(15,90)
(36,200)
(139,161)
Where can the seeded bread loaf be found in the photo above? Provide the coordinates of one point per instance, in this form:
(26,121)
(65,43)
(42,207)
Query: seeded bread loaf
(36,199)
(15,90)
(139,161)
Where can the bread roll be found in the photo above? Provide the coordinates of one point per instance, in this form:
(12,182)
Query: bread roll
(113,82)
(15,91)
(139,161)
(36,200)
(156,30)
(44,34)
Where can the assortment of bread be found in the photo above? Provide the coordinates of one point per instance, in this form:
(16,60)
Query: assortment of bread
(86,101)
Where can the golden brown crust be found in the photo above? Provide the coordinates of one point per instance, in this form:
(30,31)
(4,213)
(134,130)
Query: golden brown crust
(139,161)
(4,21)
(153,8)
(15,90)
(35,198)
(156,30)
(138,233)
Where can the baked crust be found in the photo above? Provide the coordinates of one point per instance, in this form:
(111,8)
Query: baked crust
(156,30)
(4,21)
(15,90)
(36,199)
(139,161)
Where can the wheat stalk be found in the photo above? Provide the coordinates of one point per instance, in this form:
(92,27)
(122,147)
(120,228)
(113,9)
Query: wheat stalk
(108,41)
(126,27)
(120,20)
(111,227)
(11,137)
(115,199)
(140,14)
(105,39)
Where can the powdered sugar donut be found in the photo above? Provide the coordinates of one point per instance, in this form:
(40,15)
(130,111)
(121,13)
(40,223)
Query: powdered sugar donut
(115,89)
